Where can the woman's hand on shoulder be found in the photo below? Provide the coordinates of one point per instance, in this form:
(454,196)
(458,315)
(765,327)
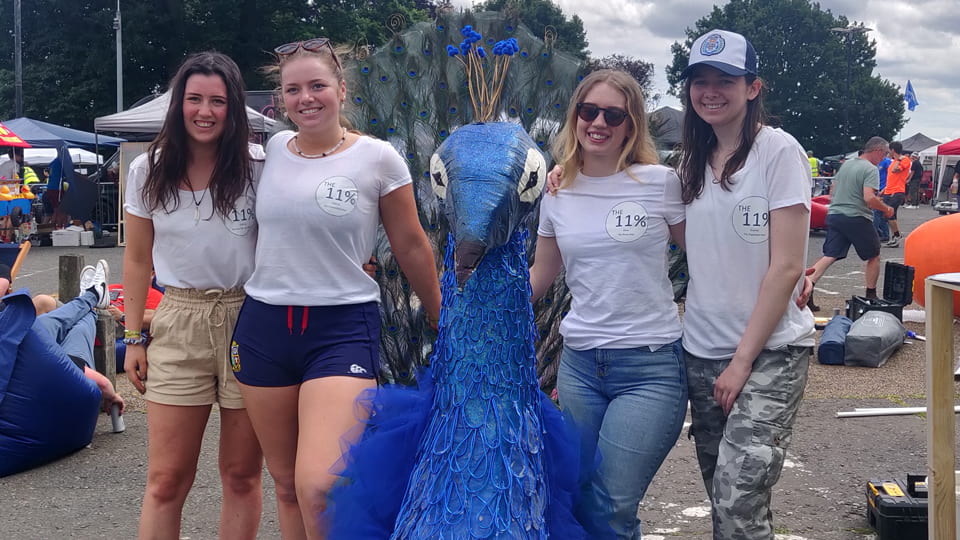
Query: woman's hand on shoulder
(553,179)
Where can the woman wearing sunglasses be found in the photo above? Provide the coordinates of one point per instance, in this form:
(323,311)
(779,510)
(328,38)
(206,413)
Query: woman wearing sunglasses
(621,374)
(307,341)
(746,187)
(189,213)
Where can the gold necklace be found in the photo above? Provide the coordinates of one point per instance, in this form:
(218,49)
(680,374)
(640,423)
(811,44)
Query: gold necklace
(296,147)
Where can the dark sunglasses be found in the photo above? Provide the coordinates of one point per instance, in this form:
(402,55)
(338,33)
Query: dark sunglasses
(588,112)
(310,45)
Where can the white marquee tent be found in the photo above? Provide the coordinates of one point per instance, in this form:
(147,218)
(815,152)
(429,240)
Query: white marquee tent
(148,118)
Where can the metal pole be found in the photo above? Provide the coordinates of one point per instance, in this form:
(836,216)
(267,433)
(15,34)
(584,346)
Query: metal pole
(846,96)
(17,62)
(117,26)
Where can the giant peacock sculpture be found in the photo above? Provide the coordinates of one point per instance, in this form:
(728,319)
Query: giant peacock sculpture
(478,450)
(413,93)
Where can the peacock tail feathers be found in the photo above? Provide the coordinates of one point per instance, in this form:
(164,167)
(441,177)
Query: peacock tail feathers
(411,93)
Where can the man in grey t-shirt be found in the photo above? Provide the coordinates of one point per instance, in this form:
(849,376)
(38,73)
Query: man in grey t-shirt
(850,220)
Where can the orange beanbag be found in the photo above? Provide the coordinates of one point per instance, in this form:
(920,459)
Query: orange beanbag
(934,248)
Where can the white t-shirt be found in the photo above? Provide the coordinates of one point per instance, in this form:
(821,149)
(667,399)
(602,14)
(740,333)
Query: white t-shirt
(613,237)
(728,249)
(214,252)
(318,222)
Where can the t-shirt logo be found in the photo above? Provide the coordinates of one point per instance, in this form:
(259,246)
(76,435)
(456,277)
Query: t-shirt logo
(712,45)
(627,222)
(751,219)
(337,195)
(240,219)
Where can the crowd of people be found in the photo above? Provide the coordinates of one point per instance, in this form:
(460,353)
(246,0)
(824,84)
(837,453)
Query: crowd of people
(283,339)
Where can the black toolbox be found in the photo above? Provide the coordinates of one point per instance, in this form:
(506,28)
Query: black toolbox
(897,510)
(897,292)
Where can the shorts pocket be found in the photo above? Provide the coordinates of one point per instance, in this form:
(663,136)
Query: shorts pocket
(763,457)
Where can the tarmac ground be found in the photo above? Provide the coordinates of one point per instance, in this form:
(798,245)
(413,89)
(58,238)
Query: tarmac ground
(96,492)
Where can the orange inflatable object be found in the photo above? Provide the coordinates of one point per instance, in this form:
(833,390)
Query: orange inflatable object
(934,248)
(818,212)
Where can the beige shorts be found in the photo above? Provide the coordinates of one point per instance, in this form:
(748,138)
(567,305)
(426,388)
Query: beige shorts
(188,359)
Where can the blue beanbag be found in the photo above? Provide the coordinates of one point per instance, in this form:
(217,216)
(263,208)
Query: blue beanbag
(48,408)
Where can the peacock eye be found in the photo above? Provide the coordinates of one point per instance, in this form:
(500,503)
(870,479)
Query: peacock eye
(533,177)
(438,176)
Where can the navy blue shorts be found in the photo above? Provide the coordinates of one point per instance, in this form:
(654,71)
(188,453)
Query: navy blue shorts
(844,231)
(287,345)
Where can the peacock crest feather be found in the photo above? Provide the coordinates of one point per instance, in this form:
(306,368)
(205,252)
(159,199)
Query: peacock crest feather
(414,94)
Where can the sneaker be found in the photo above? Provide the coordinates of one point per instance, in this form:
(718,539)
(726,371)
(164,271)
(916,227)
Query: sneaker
(94,278)
(103,278)
(894,242)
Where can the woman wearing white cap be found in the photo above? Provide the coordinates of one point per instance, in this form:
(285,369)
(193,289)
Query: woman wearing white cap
(746,187)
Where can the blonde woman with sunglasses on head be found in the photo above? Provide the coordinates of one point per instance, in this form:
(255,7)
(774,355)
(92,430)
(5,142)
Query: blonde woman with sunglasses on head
(621,374)
(307,341)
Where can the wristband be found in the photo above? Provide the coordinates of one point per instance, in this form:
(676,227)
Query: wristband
(131,333)
(139,340)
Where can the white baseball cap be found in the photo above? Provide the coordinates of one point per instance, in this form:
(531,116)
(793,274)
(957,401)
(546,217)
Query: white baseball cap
(729,52)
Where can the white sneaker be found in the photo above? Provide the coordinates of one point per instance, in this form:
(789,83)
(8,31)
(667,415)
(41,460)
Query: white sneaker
(102,277)
(94,278)
(88,278)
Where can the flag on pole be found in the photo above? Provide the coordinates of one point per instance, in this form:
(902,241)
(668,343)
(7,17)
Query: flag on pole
(910,96)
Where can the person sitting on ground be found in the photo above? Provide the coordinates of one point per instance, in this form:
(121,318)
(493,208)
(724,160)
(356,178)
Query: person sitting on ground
(73,325)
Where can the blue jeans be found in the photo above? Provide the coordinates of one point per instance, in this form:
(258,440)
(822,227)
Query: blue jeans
(73,326)
(880,223)
(629,406)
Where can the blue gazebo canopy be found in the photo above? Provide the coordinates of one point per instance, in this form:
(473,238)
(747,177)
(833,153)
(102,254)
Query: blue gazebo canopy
(46,135)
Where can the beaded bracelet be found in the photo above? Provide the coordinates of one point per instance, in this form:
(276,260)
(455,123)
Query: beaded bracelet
(139,340)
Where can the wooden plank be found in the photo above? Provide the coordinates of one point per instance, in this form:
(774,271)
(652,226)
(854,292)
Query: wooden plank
(941,436)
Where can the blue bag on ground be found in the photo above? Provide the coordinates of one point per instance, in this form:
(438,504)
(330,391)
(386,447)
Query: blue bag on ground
(832,339)
(48,408)
(873,338)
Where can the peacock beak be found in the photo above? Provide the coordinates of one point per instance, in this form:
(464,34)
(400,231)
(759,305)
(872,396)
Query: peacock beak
(467,256)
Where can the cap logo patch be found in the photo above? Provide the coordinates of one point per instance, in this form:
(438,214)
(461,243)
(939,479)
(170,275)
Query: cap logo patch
(712,45)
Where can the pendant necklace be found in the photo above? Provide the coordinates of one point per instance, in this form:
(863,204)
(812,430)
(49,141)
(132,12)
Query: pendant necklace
(196,203)
(343,137)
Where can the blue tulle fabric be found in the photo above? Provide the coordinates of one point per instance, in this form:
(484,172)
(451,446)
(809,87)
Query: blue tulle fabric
(477,450)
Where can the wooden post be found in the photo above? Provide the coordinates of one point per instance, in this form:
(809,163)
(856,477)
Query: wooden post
(105,354)
(70,266)
(941,436)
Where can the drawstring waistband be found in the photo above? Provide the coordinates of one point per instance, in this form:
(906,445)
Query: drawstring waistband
(303,321)
(215,303)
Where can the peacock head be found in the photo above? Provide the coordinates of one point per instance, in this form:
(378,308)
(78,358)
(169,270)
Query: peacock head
(489,176)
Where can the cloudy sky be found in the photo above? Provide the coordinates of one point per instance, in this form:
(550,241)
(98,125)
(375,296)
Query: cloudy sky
(917,40)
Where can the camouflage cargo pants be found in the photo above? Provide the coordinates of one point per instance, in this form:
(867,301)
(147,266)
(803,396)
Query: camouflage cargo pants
(741,455)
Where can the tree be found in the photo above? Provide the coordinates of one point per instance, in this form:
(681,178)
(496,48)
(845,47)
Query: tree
(640,70)
(804,65)
(69,74)
(538,15)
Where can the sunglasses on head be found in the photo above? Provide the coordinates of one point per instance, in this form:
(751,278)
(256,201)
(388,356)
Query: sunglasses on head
(588,112)
(310,45)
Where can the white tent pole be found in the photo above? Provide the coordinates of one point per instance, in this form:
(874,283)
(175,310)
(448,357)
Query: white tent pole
(893,411)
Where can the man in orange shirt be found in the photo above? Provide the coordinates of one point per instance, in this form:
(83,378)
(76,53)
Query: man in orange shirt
(895,191)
